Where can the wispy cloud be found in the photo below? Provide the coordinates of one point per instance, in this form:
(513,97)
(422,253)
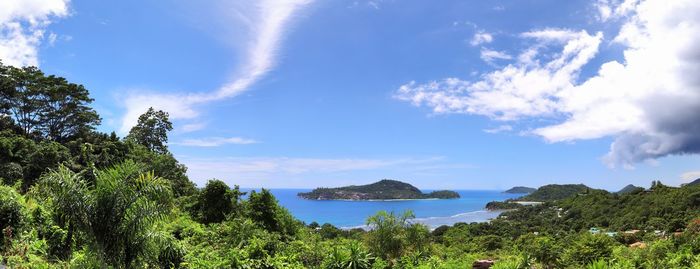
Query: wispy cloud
(191,127)
(490,56)
(22,28)
(280,171)
(268,26)
(690,176)
(215,141)
(481,37)
(499,129)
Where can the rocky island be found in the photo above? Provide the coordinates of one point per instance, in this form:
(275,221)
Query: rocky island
(385,189)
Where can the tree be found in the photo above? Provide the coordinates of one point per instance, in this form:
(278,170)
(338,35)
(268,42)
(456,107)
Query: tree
(70,201)
(152,130)
(387,235)
(21,96)
(64,110)
(118,215)
(163,165)
(45,106)
(48,154)
(217,200)
(262,208)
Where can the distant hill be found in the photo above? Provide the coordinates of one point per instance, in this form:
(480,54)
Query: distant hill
(385,189)
(520,189)
(555,192)
(693,183)
(629,189)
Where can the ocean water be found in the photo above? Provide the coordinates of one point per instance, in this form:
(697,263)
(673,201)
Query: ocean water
(434,213)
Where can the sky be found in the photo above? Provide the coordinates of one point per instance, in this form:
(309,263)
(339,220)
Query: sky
(451,94)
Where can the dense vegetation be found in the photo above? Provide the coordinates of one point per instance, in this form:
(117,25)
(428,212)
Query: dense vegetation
(72,197)
(520,189)
(385,189)
(555,192)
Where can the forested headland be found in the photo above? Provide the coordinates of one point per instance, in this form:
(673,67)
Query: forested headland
(74,197)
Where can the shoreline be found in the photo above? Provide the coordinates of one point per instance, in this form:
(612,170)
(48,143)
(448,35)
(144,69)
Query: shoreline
(375,200)
(434,222)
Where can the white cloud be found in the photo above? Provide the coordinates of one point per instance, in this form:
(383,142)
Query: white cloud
(215,141)
(191,127)
(522,89)
(490,55)
(690,176)
(268,25)
(22,27)
(650,102)
(499,129)
(481,37)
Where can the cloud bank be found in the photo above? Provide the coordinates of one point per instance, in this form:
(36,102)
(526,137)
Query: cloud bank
(269,22)
(23,25)
(649,102)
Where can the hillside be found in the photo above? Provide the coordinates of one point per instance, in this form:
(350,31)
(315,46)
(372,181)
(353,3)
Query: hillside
(630,189)
(520,189)
(555,192)
(385,189)
(693,183)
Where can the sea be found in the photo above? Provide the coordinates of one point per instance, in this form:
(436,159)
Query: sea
(353,214)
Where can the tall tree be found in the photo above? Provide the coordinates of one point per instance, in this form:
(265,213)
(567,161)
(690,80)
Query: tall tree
(65,111)
(21,97)
(152,130)
(46,106)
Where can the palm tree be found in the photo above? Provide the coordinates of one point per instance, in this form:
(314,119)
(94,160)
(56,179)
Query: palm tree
(69,195)
(117,215)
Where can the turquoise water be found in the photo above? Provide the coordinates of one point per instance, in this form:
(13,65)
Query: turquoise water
(346,214)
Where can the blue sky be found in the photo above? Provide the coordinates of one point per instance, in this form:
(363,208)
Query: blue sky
(450,94)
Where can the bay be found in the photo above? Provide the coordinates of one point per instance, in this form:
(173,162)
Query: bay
(433,213)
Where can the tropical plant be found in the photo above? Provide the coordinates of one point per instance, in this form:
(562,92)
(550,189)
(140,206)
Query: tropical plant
(117,215)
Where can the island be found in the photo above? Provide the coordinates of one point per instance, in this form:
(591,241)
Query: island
(385,189)
(520,189)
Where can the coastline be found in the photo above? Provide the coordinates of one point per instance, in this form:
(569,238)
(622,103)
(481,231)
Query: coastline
(437,221)
(374,200)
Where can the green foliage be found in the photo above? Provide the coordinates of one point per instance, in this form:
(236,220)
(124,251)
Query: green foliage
(45,106)
(392,235)
(151,130)
(588,248)
(118,215)
(263,209)
(555,192)
(217,200)
(12,212)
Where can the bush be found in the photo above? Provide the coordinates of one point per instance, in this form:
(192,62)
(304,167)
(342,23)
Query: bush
(10,173)
(12,209)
